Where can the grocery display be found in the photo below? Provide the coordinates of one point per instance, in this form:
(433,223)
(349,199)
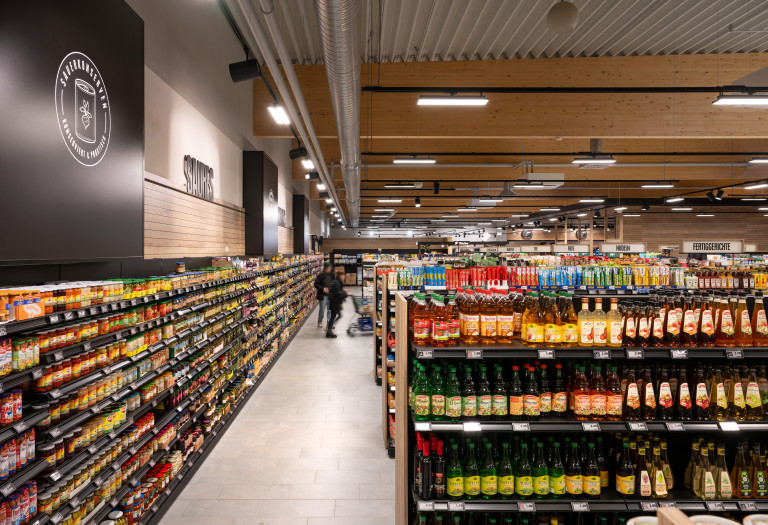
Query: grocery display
(111,399)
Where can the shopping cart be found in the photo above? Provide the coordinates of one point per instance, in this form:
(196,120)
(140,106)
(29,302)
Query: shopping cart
(364,322)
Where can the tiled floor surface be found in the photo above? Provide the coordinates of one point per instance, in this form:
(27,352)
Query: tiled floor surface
(306,449)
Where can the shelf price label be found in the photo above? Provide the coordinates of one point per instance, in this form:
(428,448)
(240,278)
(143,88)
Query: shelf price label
(472,426)
(728,426)
(667,504)
(7,489)
(747,506)
(21,426)
(637,426)
(679,353)
(734,353)
(426,506)
(55,476)
(455,506)
(715,506)
(475,354)
(590,427)
(425,354)
(675,427)
(37,373)
(649,506)
(580,506)
(546,354)
(52,319)
(521,427)
(526,506)
(601,354)
(636,353)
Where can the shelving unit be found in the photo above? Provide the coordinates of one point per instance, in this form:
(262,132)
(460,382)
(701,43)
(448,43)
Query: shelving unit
(233,330)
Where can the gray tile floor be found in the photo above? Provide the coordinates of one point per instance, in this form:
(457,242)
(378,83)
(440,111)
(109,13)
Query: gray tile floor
(306,449)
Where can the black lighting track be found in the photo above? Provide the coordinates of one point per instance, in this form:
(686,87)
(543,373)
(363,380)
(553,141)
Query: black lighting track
(615,90)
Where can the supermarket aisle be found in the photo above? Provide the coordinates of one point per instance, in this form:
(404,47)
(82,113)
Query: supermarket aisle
(306,449)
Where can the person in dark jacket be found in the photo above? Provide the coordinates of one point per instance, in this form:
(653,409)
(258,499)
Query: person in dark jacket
(336,296)
(322,286)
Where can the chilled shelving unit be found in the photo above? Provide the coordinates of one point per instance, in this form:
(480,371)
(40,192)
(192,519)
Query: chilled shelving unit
(232,328)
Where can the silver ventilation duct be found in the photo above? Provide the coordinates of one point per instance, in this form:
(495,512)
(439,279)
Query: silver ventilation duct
(340,35)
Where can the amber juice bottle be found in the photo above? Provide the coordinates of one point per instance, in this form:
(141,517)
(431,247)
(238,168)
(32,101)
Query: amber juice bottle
(470,333)
(488,311)
(743,323)
(570,326)
(759,322)
(726,329)
(706,330)
(505,318)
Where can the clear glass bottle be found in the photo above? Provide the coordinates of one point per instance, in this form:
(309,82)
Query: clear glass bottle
(556,473)
(540,473)
(615,320)
(506,475)
(574,478)
(600,324)
(524,474)
(586,324)
(489,487)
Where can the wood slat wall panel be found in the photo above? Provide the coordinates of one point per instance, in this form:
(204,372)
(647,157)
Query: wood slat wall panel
(284,239)
(180,225)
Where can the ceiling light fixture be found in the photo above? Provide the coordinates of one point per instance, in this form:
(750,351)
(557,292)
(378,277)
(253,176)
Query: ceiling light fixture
(673,199)
(328,201)
(489,200)
(418,202)
(399,186)
(549,209)
(754,199)
(705,215)
(529,186)
(498,220)
(581,215)
(620,209)
(380,216)
(468,208)
(320,187)
(312,175)
(414,160)
(749,101)
(452,100)
(681,209)
(759,160)
(279,115)
(594,159)
(308,164)
(658,185)
(592,200)
(390,201)
(631,215)
(758,186)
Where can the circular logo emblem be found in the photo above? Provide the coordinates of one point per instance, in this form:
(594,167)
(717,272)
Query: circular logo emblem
(82,109)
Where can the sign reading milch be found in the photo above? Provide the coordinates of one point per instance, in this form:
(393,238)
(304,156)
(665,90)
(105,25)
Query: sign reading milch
(199,178)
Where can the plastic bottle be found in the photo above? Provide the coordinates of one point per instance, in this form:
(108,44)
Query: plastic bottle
(422,324)
(569,322)
(505,318)
(470,310)
(600,323)
(518,308)
(586,324)
(454,325)
(438,313)
(533,326)
(488,313)
(615,322)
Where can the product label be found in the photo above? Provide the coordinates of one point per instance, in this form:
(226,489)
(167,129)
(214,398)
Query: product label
(552,334)
(455,487)
(630,328)
(531,406)
(488,325)
(744,483)
(613,405)
(643,330)
(541,485)
(684,397)
(708,488)
(726,323)
(753,396)
(586,329)
(658,327)
(600,332)
(707,324)
(582,405)
(616,335)
(505,325)
(421,405)
(454,407)
(469,406)
(524,485)
(625,485)
(659,483)
(421,329)
(761,326)
(633,396)
(738,395)
(499,406)
(645,484)
(689,323)
(518,322)
(440,331)
(515,405)
(720,398)
(484,404)
(557,484)
(472,485)
(761,487)
(696,315)
(560,402)
(650,396)
(763,384)
(534,333)
(570,333)
(574,484)
(438,405)
(665,395)
(506,485)
(725,489)
(489,485)
(673,322)
(454,329)
(591,485)
(545,402)
(746,324)
(605,478)
(597,404)
(472,325)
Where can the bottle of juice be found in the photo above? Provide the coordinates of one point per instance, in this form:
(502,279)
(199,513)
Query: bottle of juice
(422,324)
(505,318)
(518,308)
(615,320)
(569,322)
(515,395)
(470,311)
(726,328)
(454,325)
(597,397)
(759,322)
(690,325)
(488,311)
(632,411)
(706,330)
(533,327)
(553,330)
(600,324)
(582,408)
(743,323)
(439,315)
(586,324)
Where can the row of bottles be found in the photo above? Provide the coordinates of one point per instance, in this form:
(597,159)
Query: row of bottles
(502,518)
(548,319)
(707,474)
(711,391)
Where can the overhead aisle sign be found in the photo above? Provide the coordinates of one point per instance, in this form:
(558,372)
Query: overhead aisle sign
(707,246)
(570,248)
(624,248)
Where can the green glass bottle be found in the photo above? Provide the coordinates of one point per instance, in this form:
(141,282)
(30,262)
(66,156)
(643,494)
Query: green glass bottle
(453,396)
(420,395)
(540,473)
(591,481)
(468,396)
(524,474)
(484,398)
(489,484)
(499,402)
(556,473)
(505,474)
(471,474)
(437,394)
(455,474)
(574,480)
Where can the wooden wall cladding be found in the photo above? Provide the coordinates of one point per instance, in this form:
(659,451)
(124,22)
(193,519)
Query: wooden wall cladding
(284,239)
(179,225)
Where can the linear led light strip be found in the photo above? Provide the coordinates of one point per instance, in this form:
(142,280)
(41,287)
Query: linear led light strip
(452,100)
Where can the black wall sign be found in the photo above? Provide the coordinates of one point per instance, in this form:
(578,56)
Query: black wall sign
(260,203)
(71,130)
(199,178)
(300,224)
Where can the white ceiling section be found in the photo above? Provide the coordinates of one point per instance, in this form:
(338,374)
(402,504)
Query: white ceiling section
(445,30)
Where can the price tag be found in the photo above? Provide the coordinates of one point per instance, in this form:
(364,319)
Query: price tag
(145,299)
(56,518)
(74,502)
(601,354)
(104,308)
(87,346)
(590,427)
(734,353)
(58,355)
(37,373)
(7,489)
(92,449)
(54,433)
(82,313)
(107,370)
(526,506)
(55,393)
(728,426)
(649,506)
(52,319)
(521,427)
(747,506)
(679,353)
(580,506)
(134,330)
(635,353)
(55,476)
(424,354)
(715,506)
(546,354)
(667,504)
(675,427)
(472,426)
(637,426)
(20,427)
(134,302)
(114,306)
(475,354)
(426,506)
(455,506)
(93,311)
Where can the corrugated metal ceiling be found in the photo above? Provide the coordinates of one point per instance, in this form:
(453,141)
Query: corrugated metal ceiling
(437,30)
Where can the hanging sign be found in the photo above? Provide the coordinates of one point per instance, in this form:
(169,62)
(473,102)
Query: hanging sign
(623,248)
(536,249)
(705,246)
(570,248)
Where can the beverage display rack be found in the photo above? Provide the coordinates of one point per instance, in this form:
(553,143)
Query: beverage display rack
(409,503)
(234,324)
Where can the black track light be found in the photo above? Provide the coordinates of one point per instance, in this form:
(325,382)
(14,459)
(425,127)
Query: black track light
(245,70)
(312,175)
(645,206)
(711,196)
(298,153)
(719,194)
(323,195)
(561,218)
(418,202)
(436,188)
(597,214)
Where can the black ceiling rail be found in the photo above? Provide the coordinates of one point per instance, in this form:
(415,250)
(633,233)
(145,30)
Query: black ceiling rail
(561,154)
(452,90)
